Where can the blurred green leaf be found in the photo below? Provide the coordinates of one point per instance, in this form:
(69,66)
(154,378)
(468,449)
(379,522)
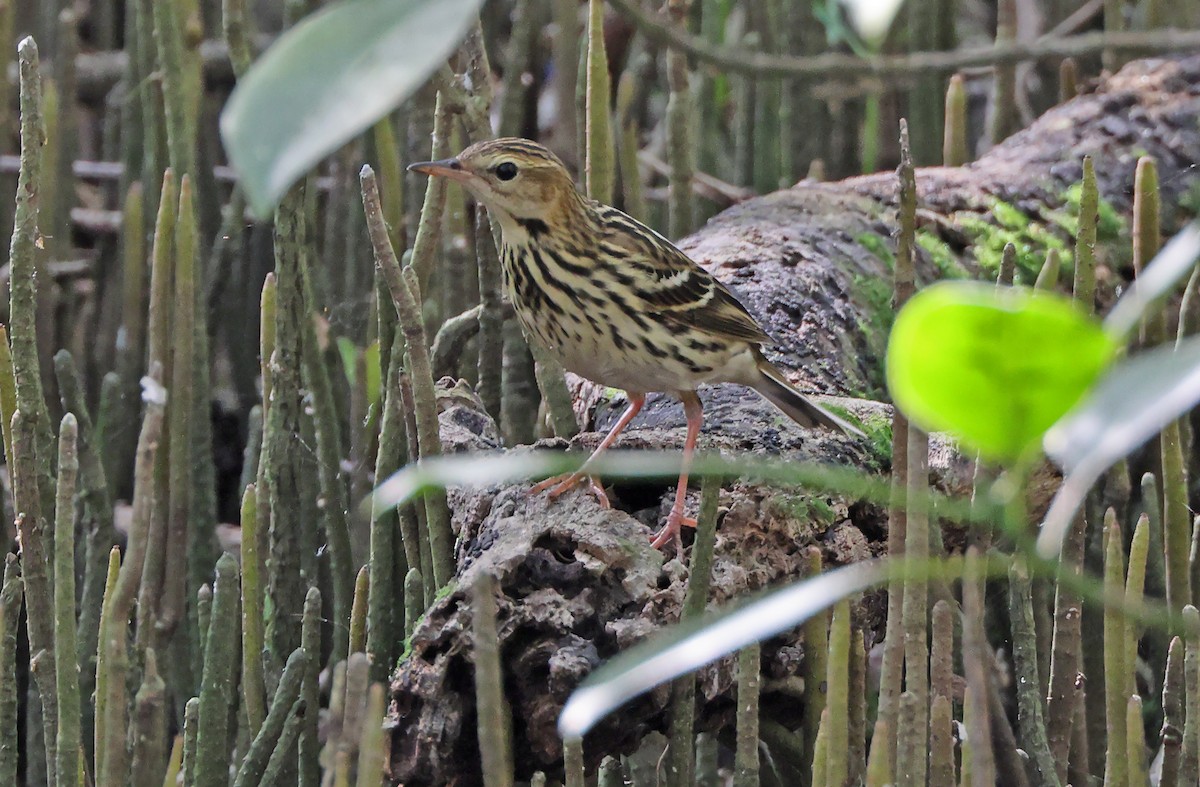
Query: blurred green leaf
(995,367)
(689,646)
(1171,264)
(1130,404)
(683,648)
(348,352)
(374,371)
(328,79)
(476,470)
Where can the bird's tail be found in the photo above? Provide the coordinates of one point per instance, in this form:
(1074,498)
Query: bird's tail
(772,385)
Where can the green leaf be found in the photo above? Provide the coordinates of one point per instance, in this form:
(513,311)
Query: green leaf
(330,78)
(995,367)
(348,352)
(1130,404)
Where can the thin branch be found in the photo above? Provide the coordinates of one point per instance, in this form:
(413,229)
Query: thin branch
(838,66)
(99,71)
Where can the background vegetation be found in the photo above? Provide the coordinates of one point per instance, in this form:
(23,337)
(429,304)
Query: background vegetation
(194,402)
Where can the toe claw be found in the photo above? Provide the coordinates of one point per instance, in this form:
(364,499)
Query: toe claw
(560,485)
(597,490)
(562,488)
(670,532)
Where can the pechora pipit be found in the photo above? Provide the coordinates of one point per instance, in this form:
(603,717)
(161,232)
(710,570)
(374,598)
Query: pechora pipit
(615,301)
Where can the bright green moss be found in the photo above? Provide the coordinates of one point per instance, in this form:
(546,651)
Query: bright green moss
(1008,216)
(1108,224)
(878,246)
(941,255)
(878,428)
(406,651)
(875,294)
(1031,239)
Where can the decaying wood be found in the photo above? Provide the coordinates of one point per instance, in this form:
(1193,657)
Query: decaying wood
(580,583)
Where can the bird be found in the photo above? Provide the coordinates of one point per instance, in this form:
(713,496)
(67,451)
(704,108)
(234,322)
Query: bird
(616,303)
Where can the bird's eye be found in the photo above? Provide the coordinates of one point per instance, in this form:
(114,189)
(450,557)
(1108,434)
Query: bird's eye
(506,170)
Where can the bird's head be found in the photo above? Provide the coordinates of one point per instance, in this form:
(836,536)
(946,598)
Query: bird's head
(515,179)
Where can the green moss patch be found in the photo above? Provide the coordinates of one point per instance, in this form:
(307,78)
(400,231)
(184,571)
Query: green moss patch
(800,507)
(878,246)
(878,428)
(875,294)
(941,255)
(1031,238)
(1108,222)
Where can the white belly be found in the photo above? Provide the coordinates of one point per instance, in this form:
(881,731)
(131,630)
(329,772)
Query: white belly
(626,363)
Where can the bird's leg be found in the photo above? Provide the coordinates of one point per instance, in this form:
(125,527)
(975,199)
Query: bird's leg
(566,482)
(676,519)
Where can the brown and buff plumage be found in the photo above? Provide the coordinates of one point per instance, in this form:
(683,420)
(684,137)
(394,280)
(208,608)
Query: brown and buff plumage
(615,301)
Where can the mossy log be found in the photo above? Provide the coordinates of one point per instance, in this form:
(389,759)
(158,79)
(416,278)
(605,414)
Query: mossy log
(578,583)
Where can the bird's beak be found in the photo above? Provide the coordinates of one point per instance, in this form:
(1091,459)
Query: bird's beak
(446,168)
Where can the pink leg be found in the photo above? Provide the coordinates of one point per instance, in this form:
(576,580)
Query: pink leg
(676,519)
(564,483)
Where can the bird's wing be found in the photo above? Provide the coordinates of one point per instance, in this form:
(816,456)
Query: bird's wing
(671,285)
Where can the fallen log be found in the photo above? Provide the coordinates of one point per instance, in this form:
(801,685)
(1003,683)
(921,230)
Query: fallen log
(578,583)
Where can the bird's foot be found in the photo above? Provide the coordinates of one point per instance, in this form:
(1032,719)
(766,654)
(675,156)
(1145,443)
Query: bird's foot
(669,533)
(561,484)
